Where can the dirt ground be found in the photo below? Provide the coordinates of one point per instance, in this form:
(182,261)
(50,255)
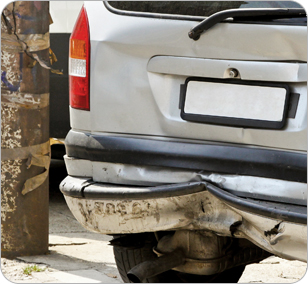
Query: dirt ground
(78,256)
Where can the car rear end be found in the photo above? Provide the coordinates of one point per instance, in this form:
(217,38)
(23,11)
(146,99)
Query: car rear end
(171,133)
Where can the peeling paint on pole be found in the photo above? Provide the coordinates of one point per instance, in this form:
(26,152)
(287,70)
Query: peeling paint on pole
(24,128)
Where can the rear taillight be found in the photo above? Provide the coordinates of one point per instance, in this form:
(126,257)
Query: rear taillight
(79,63)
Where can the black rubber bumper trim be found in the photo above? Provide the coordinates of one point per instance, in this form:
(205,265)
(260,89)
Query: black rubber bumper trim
(284,212)
(227,159)
(88,189)
(97,191)
(139,193)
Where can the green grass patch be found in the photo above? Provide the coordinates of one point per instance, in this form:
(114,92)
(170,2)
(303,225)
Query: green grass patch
(32,268)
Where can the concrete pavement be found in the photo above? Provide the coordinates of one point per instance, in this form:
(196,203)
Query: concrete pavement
(76,255)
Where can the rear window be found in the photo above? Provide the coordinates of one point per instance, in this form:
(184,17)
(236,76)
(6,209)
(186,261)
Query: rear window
(196,8)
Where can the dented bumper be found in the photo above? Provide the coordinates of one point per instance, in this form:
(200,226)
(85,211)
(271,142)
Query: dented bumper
(111,209)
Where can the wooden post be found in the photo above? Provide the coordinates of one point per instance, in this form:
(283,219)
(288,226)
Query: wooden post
(25,151)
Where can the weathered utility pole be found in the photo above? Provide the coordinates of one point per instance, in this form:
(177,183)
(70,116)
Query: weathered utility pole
(25,153)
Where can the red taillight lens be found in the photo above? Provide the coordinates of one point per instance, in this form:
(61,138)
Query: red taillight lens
(79,63)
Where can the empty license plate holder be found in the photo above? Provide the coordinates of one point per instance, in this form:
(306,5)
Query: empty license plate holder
(234,103)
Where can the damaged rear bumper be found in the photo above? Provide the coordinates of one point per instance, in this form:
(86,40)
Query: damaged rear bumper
(112,209)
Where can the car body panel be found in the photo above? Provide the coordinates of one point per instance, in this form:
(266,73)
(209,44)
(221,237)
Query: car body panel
(136,142)
(248,186)
(146,103)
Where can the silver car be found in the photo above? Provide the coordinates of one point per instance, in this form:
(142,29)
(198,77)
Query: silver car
(188,138)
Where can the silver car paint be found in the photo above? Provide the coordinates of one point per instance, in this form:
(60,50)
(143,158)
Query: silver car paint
(262,188)
(135,77)
(129,98)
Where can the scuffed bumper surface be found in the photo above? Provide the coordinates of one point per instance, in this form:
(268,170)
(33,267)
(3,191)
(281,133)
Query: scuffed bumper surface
(200,210)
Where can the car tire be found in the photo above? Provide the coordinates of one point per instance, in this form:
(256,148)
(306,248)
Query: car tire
(127,257)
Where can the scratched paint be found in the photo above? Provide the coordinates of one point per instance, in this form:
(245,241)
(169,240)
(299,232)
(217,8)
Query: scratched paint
(10,169)
(24,123)
(126,211)
(25,100)
(10,138)
(10,71)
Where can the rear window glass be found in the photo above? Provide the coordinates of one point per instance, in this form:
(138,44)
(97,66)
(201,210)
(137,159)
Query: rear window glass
(196,8)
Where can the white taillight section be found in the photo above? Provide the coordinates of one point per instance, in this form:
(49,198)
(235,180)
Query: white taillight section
(77,67)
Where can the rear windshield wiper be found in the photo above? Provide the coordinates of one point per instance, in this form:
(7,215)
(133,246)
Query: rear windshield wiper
(251,14)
